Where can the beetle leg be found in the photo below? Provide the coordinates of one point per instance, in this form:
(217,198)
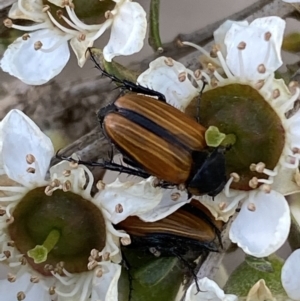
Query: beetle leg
(125,84)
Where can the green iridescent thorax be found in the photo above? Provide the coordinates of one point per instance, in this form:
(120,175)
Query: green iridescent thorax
(80,224)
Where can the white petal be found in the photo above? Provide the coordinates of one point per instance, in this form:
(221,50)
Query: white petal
(244,63)
(9,290)
(222,207)
(135,198)
(164,79)
(32,10)
(260,292)
(76,176)
(290,275)
(106,287)
(128,30)
(21,136)
(35,67)
(79,48)
(220,33)
(262,231)
(167,206)
(209,291)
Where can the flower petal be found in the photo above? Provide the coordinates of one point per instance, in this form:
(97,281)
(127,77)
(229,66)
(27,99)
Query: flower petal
(36,67)
(220,33)
(163,76)
(260,49)
(21,136)
(166,206)
(10,289)
(32,10)
(290,275)
(222,207)
(135,198)
(209,291)
(260,292)
(263,224)
(79,48)
(128,30)
(106,287)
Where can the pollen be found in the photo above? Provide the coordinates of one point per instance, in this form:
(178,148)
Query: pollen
(251,207)
(38,45)
(21,296)
(276,93)
(11,277)
(125,241)
(261,68)
(175,196)
(268,36)
(8,23)
(242,46)
(169,62)
(30,158)
(25,36)
(182,76)
(119,208)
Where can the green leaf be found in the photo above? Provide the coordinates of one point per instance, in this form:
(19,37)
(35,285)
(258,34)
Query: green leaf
(260,264)
(291,42)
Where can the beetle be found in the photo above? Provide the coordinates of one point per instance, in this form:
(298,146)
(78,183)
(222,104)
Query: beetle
(187,233)
(157,139)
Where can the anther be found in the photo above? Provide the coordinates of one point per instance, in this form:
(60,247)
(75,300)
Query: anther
(66,172)
(108,15)
(46,8)
(95,254)
(61,264)
(73,164)
(182,76)
(253,183)
(222,206)
(260,167)
(34,279)
(7,253)
(293,85)
(11,243)
(51,290)
(118,208)
(23,260)
(211,67)
(214,82)
(251,207)
(214,51)
(48,191)
(2,211)
(106,256)
(11,277)
(181,187)
(99,273)
(125,241)
(276,93)
(55,183)
(92,264)
(169,61)
(236,177)
(30,158)
(100,185)
(59,13)
(175,196)
(25,36)
(154,251)
(268,36)
(179,43)
(259,84)
(241,46)
(197,73)
(67,185)
(38,45)
(8,23)
(261,68)
(265,188)
(21,296)
(295,150)
(48,267)
(81,37)
(30,170)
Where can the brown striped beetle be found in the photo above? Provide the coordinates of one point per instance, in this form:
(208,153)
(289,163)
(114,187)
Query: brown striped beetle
(157,139)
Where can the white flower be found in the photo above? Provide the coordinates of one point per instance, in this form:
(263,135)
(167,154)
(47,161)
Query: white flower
(290,275)
(37,57)
(209,291)
(25,154)
(252,54)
